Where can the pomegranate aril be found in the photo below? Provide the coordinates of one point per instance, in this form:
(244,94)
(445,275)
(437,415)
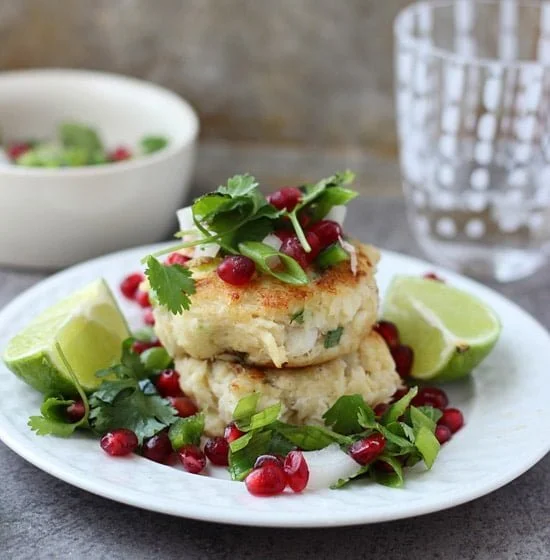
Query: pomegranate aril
(263,459)
(442,434)
(293,248)
(217,450)
(269,480)
(119,442)
(384,467)
(168,383)
(327,232)
(184,406)
(157,448)
(236,270)
(16,150)
(433,276)
(148,317)
(120,154)
(453,419)
(143,298)
(283,234)
(177,258)
(388,331)
(286,198)
(130,284)
(403,357)
(296,470)
(139,346)
(192,459)
(366,450)
(76,411)
(431,396)
(380,409)
(231,432)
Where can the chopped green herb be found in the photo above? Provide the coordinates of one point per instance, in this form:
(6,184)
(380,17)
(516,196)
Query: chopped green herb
(297,317)
(344,415)
(186,431)
(332,338)
(151,144)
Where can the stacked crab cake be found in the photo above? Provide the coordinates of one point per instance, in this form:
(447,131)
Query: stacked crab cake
(301,345)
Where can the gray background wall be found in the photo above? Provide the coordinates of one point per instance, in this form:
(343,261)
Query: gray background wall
(312,77)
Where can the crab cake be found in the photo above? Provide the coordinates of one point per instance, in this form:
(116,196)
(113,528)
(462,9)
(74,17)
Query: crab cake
(305,393)
(268,323)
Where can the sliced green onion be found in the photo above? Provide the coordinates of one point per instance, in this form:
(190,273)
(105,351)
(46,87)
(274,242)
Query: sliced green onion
(332,256)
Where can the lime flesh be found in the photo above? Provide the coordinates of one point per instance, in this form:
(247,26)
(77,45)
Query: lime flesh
(89,328)
(450,331)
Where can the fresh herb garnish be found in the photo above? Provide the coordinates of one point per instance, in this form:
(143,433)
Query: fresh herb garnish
(409,436)
(54,409)
(297,317)
(172,284)
(128,400)
(238,217)
(186,431)
(332,338)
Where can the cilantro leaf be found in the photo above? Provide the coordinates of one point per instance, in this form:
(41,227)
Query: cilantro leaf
(144,414)
(393,479)
(172,284)
(53,420)
(343,416)
(297,317)
(239,185)
(332,338)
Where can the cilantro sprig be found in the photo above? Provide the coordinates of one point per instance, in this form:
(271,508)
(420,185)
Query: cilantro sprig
(238,217)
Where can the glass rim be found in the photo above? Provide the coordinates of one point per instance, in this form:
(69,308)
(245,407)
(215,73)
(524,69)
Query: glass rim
(405,37)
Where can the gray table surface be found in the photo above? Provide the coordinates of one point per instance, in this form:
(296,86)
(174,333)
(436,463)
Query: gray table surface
(42,517)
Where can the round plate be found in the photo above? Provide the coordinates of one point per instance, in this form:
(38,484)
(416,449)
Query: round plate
(504,407)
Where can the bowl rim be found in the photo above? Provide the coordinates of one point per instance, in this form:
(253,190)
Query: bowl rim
(105,168)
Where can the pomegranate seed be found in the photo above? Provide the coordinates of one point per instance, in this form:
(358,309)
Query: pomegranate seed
(75,411)
(119,442)
(16,150)
(442,434)
(403,357)
(380,409)
(184,406)
(293,248)
(177,258)
(120,154)
(143,298)
(431,396)
(399,394)
(139,346)
(327,231)
(157,448)
(268,480)
(366,450)
(433,276)
(217,450)
(232,433)
(388,331)
(130,285)
(304,219)
(148,317)
(168,383)
(192,459)
(285,198)
(296,470)
(283,234)
(453,419)
(263,459)
(236,270)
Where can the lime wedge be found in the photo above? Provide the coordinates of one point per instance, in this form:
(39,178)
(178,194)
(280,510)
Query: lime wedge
(450,331)
(88,326)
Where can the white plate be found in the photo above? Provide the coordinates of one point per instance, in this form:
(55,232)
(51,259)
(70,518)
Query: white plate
(505,405)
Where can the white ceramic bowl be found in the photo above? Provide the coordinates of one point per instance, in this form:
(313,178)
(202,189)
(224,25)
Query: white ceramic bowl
(51,218)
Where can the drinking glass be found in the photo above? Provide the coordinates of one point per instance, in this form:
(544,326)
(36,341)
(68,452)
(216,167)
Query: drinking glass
(473,101)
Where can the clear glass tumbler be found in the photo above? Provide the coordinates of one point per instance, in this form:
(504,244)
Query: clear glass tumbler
(473,116)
